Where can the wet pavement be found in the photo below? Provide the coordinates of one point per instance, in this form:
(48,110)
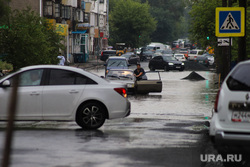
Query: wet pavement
(164,129)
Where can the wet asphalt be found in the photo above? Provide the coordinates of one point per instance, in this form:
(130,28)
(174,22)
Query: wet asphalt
(167,129)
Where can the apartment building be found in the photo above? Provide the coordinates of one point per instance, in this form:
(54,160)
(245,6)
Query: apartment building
(83,23)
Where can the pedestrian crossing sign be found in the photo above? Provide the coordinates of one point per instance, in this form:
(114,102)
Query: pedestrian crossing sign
(230,22)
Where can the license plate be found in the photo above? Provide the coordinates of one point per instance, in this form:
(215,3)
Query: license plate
(148,58)
(240,116)
(200,61)
(177,67)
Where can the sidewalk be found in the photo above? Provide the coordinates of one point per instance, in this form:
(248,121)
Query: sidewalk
(92,62)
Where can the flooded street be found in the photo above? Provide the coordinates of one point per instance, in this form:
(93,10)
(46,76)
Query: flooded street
(164,129)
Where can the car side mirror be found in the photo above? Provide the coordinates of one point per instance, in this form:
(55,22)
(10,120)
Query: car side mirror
(6,83)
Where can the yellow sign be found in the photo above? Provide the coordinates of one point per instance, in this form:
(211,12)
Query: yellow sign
(62,29)
(230,22)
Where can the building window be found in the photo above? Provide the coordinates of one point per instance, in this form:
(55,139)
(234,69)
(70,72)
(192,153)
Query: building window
(86,17)
(66,12)
(101,1)
(57,10)
(49,8)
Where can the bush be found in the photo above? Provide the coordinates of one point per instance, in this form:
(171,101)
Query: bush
(5,66)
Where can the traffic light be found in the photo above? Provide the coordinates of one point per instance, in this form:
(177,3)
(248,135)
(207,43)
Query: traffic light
(207,37)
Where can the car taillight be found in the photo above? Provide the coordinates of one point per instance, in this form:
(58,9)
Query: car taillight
(102,54)
(216,102)
(121,91)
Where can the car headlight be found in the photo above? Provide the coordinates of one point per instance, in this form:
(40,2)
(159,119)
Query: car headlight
(182,64)
(170,64)
(130,85)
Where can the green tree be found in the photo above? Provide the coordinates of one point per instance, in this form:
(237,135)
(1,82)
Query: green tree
(203,22)
(131,23)
(28,40)
(169,15)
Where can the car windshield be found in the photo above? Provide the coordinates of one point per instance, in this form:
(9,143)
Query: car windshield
(117,63)
(239,80)
(169,58)
(121,75)
(193,52)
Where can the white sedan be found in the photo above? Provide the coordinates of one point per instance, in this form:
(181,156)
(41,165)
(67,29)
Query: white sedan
(52,92)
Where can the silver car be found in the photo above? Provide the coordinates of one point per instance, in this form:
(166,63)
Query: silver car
(52,92)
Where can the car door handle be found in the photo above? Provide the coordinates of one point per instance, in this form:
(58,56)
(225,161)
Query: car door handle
(73,91)
(34,93)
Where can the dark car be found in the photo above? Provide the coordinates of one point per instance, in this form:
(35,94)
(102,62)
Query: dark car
(202,59)
(106,54)
(165,62)
(147,55)
(131,57)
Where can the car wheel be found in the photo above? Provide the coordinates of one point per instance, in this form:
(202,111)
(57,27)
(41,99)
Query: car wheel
(91,116)
(151,68)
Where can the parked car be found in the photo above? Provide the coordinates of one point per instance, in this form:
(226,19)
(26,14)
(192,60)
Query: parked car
(116,62)
(180,57)
(194,53)
(202,59)
(63,93)
(165,62)
(126,76)
(131,58)
(231,114)
(106,54)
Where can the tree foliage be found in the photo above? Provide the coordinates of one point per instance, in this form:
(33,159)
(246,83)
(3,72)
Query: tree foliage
(171,19)
(131,23)
(202,23)
(28,40)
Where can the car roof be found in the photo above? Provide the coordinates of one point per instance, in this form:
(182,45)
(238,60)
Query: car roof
(116,57)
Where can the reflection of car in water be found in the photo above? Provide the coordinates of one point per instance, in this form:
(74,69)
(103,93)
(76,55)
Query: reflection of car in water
(166,63)
(126,76)
(115,62)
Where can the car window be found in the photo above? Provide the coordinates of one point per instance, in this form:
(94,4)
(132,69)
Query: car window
(30,78)
(117,63)
(239,80)
(193,52)
(64,77)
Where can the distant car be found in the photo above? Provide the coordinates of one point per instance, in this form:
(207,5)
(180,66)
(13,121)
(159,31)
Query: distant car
(184,51)
(231,115)
(116,62)
(126,76)
(63,93)
(165,62)
(193,54)
(148,54)
(106,54)
(210,59)
(131,58)
(180,57)
(202,59)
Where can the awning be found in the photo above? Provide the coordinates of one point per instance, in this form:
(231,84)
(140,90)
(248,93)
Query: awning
(79,32)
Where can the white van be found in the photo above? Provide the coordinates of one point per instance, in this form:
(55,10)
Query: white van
(192,55)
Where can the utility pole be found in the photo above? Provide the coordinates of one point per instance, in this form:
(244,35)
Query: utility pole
(242,40)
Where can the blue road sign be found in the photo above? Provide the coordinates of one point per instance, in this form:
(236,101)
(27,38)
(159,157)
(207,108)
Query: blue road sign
(230,22)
